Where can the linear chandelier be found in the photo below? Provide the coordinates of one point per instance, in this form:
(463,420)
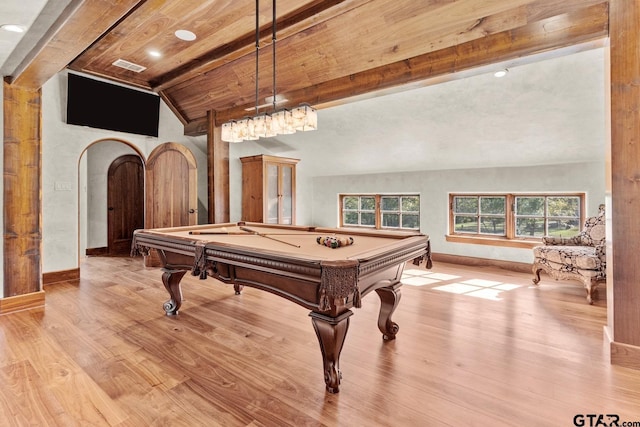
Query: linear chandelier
(279,122)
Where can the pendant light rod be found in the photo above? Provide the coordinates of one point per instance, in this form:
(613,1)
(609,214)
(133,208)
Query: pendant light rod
(273,43)
(257,49)
(278,122)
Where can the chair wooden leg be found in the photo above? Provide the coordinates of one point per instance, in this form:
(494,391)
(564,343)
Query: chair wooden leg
(536,274)
(591,286)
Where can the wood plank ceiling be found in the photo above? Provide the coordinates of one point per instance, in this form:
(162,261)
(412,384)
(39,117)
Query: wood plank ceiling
(326,50)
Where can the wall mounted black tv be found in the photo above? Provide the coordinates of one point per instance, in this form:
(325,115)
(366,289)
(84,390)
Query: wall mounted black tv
(103,105)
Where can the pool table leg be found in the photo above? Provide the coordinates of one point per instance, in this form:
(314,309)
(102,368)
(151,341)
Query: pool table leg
(171,280)
(331,332)
(389,299)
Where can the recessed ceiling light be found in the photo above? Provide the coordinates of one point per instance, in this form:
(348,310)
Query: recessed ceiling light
(185,35)
(501,73)
(13,28)
(155,53)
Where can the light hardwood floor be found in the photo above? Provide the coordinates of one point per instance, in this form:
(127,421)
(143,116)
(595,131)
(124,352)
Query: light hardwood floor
(103,353)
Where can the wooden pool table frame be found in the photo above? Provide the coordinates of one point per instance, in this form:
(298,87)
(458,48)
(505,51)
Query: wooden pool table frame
(329,288)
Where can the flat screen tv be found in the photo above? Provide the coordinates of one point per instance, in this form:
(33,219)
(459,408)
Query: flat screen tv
(103,105)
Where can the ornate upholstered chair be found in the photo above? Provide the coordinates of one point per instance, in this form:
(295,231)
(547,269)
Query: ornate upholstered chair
(580,257)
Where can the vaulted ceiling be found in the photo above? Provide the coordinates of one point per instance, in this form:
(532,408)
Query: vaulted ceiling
(327,51)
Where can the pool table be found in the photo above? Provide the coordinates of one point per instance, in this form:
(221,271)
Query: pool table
(326,270)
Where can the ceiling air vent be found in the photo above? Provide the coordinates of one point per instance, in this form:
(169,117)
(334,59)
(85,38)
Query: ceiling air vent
(129,66)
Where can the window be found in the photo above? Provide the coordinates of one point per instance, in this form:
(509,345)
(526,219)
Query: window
(380,211)
(515,216)
(538,216)
(480,214)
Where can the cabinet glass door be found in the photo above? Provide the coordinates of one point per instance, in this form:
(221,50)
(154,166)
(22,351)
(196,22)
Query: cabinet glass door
(287,195)
(272,194)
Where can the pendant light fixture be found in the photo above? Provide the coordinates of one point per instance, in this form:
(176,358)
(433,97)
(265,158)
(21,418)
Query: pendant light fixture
(278,122)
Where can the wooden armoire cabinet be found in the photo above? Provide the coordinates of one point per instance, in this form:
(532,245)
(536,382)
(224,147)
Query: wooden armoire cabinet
(269,189)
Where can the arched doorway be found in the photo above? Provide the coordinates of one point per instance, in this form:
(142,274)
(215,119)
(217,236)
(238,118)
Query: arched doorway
(125,201)
(94,164)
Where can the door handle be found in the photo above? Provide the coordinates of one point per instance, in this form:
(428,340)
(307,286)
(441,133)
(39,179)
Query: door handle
(110,208)
(192,210)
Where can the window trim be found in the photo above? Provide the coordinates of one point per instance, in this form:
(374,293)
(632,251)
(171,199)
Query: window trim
(510,239)
(377,211)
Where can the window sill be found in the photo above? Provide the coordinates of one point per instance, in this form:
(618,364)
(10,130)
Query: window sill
(492,241)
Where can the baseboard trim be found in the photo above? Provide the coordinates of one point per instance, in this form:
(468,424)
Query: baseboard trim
(625,355)
(520,267)
(60,276)
(21,302)
(97,251)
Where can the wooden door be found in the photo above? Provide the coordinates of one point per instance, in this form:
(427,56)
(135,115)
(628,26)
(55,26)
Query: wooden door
(172,193)
(172,190)
(125,202)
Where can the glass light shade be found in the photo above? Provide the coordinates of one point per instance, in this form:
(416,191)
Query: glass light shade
(259,124)
(305,118)
(225,132)
(241,129)
(269,130)
(264,124)
(236,131)
(283,122)
(251,130)
(229,132)
(276,121)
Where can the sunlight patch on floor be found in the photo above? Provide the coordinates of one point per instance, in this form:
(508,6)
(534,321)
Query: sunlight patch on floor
(488,293)
(479,288)
(423,273)
(457,288)
(417,277)
(419,281)
(506,286)
(482,283)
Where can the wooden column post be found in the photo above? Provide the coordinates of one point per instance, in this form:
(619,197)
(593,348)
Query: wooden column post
(218,172)
(22,194)
(623,273)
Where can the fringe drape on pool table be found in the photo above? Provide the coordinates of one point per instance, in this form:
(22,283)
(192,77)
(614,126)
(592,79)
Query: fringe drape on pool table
(339,281)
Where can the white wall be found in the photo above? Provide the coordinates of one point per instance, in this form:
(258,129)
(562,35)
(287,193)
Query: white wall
(2,193)
(62,148)
(317,196)
(434,188)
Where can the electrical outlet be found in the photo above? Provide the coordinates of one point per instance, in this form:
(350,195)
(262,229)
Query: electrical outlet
(62,186)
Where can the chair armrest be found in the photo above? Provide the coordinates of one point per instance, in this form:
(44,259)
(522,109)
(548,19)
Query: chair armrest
(563,241)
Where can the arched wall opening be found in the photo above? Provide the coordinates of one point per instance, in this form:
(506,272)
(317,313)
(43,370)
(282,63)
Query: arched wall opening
(93,165)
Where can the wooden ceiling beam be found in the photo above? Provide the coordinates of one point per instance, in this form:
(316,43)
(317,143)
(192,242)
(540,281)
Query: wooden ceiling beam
(576,27)
(82,23)
(307,16)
